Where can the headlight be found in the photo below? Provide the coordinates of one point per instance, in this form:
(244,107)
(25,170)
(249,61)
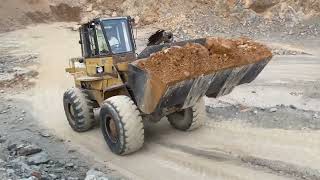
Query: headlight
(100,69)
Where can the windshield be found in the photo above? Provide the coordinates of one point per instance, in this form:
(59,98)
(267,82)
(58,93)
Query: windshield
(117,32)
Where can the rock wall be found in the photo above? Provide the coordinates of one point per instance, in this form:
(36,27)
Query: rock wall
(18,13)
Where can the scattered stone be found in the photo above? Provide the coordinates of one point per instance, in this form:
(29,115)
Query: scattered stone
(315,116)
(2,140)
(11,147)
(30,178)
(75,28)
(293,107)
(61,163)
(10,172)
(53,176)
(26,169)
(2,162)
(21,119)
(71,150)
(3,112)
(36,174)
(72,178)
(59,170)
(17,162)
(23,111)
(69,165)
(245,109)
(273,109)
(26,150)
(39,158)
(94,174)
(136,19)
(44,134)
(34,167)
(89,8)
(1,91)
(253,92)
(255,112)
(290,32)
(114,14)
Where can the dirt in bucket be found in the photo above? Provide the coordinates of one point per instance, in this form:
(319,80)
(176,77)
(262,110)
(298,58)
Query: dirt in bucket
(179,63)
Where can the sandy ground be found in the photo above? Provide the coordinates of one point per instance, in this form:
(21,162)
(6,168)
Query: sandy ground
(286,80)
(217,151)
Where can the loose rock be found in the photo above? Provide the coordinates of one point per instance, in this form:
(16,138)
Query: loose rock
(293,107)
(94,174)
(44,134)
(3,112)
(273,110)
(53,176)
(72,178)
(2,140)
(69,165)
(29,178)
(39,158)
(25,150)
(10,172)
(12,147)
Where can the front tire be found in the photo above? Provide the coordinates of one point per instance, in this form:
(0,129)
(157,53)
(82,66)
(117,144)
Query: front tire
(188,119)
(121,125)
(79,109)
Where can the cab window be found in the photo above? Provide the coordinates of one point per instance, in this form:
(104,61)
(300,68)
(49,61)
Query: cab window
(103,47)
(94,49)
(117,32)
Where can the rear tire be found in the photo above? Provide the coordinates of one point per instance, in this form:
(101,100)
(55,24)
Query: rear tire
(188,119)
(79,109)
(121,125)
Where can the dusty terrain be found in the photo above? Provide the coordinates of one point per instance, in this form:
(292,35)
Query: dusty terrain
(249,132)
(268,129)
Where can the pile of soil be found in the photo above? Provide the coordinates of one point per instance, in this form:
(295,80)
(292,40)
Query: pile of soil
(179,63)
(16,14)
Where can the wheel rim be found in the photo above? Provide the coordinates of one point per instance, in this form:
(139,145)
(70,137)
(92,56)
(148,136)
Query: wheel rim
(180,116)
(111,129)
(71,114)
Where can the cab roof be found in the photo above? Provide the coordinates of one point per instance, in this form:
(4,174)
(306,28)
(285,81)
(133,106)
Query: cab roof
(107,18)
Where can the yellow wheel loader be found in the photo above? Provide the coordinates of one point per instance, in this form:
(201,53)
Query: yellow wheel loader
(108,77)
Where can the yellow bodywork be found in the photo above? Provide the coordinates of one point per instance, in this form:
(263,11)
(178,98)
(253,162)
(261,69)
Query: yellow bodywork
(99,85)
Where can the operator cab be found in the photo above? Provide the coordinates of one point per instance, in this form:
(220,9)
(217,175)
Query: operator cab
(107,37)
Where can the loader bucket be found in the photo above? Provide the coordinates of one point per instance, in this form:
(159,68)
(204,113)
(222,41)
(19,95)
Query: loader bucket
(199,69)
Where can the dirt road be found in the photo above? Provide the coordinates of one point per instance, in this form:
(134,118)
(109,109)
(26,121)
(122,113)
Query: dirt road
(220,150)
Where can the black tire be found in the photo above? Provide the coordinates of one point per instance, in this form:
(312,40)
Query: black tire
(121,125)
(79,109)
(188,119)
